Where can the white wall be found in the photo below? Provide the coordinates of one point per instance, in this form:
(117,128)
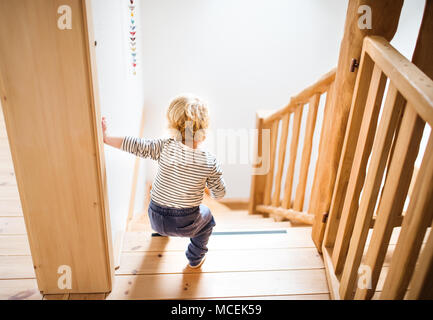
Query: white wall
(242,56)
(121,97)
(239,55)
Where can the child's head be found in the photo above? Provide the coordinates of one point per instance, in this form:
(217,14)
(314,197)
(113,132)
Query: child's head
(188,116)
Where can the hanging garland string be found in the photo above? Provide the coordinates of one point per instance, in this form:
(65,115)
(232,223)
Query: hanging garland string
(132,38)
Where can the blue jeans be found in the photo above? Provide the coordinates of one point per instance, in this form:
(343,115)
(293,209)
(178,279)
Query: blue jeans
(195,223)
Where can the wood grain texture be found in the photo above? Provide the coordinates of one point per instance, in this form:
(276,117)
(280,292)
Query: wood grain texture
(384,23)
(257,181)
(364,216)
(161,262)
(14,245)
(270,175)
(22,289)
(288,186)
(424,45)
(418,218)
(55,139)
(291,214)
(326,125)
(313,106)
(364,143)
(360,95)
(16,267)
(12,225)
(296,238)
(211,285)
(281,157)
(394,192)
(276,297)
(409,80)
(422,282)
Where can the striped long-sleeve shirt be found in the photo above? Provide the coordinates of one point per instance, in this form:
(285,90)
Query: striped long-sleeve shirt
(183,172)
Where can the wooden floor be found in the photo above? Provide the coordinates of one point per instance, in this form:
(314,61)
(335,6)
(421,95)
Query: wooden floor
(279,262)
(17,278)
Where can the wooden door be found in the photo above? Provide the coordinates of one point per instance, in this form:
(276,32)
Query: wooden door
(49,99)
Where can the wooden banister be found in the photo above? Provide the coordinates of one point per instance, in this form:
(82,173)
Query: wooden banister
(409,80)
(390,145)
(319,87)
(262,186)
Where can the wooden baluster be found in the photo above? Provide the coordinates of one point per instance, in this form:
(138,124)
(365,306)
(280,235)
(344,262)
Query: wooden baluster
(297,118)
(270,175)
(386,14)
(345,165)
(381,148)
(281,157)
(257,181)
(422,282)
(320,166)
(306,152)
(357,174)
(394,192)
(418,217)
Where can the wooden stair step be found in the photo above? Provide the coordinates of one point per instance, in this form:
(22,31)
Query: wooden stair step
(21,289)
(322,296)
(10,207)
(16,267)
(219,284)
(12,225)
(8,191)
(14,245)
(293,238)
(159,262)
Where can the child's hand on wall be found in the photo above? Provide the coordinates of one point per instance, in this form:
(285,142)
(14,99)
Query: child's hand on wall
(115,142)
(104,128)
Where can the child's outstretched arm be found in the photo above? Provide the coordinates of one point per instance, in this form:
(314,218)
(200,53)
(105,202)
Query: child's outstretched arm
(145,148)
(115,142)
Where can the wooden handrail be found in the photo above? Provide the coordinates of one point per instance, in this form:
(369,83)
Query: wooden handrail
(409,80)
(319,87)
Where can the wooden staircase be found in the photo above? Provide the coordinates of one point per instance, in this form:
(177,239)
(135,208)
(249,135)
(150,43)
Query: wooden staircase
(250,256)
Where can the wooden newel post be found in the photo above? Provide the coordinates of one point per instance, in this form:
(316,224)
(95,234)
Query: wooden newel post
(384,15)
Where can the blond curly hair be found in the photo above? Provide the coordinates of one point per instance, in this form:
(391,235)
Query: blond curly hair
(188,117)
